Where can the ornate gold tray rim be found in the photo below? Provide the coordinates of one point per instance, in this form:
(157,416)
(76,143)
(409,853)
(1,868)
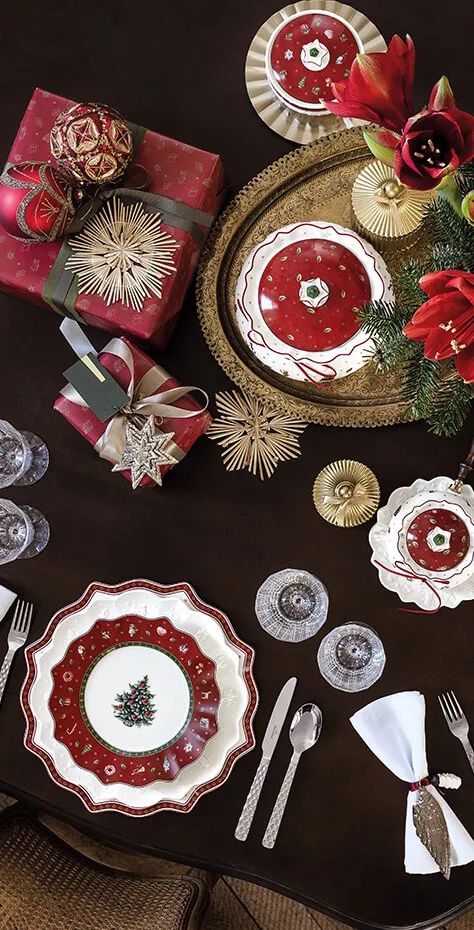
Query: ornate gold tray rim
(226,234)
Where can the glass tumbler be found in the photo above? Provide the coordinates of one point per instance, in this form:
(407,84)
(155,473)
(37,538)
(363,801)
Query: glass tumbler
(24,457)
(351,657)
(24,532)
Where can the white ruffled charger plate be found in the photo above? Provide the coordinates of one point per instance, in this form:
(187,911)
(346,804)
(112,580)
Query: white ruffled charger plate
(215,637)
(282,249)
(392,556)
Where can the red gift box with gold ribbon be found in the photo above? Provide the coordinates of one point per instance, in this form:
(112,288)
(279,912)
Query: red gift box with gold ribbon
(186,183)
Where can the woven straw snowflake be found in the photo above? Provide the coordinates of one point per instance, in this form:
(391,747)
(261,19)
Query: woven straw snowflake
(253,435)
(122,254)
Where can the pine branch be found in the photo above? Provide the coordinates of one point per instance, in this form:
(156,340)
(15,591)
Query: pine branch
(433,391)
(382,318)
(385,322)
(394,354)
(450,407)
(453,238)
(421,384)
(406,283)
(465,178)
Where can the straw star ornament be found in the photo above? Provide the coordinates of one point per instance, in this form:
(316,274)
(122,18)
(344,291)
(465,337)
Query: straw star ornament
(122,254)
(254,435)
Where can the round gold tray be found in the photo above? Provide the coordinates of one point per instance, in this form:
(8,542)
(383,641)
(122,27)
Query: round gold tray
(313,182)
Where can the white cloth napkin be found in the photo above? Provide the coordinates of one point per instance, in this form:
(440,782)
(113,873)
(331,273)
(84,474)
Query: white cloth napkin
(394,729)
(6,600)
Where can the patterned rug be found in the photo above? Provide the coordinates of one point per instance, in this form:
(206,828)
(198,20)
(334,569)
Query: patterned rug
(235,904)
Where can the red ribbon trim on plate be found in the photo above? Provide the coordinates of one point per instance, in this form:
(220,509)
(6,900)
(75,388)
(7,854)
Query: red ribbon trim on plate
(405,572)
(313,371)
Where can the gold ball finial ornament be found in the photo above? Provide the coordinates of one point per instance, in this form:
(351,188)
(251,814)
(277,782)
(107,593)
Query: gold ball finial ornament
(388,213)
(392,189)
(346,493)
(344,490)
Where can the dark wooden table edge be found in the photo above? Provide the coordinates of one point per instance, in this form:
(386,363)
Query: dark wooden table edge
(231,871)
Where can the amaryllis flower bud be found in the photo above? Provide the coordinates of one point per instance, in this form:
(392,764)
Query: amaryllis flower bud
(467,207)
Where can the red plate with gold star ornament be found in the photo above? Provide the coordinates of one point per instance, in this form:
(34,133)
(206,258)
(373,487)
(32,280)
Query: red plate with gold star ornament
(298,296)
(139,697)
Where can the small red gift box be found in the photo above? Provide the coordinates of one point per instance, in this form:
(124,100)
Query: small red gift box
(186,430)
(182,174)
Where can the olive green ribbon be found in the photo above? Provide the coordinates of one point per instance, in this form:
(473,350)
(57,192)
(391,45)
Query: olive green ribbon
(61,288)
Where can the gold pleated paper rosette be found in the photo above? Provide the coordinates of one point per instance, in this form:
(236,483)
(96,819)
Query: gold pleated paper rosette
(387,212)
(346,493)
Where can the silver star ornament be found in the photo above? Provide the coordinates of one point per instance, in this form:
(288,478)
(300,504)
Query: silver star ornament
(145,452)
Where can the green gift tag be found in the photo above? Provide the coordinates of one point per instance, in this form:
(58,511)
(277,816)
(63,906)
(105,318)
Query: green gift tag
(96,386)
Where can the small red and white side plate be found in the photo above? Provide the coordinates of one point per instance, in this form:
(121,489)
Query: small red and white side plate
(139,697)
(423,543)
(298,295)
(295,57)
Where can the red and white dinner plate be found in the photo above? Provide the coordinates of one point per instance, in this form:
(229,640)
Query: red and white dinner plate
(298,297)
(139,697)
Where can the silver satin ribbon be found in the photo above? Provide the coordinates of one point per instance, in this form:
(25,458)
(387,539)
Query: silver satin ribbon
(144,399)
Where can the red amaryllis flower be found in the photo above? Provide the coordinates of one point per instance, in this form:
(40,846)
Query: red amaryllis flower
(379,87)
(435,142)
(445,323)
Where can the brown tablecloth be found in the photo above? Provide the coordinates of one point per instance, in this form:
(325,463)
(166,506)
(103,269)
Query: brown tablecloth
(179,67)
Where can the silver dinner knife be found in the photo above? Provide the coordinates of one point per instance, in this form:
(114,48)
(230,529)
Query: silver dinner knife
(270,740)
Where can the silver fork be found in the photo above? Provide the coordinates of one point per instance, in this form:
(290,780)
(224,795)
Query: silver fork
(16,638)
(457,722)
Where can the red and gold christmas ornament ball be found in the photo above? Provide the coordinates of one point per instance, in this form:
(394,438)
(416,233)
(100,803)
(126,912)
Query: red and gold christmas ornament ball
(37,203)
(92,143)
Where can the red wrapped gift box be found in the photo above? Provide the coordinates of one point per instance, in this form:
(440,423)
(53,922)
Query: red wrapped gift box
(186,431)
(177,171)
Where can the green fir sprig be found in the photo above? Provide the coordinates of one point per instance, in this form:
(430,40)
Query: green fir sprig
(433,391)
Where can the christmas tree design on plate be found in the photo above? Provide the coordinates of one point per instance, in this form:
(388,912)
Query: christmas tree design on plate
(135,708)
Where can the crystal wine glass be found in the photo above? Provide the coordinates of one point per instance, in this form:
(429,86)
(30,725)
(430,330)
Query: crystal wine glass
(24,457)
(24,532)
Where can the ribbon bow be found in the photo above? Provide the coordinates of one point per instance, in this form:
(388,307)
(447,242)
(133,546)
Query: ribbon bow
(144,399)
(343,503)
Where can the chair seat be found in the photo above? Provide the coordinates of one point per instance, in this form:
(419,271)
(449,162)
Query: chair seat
(45,886)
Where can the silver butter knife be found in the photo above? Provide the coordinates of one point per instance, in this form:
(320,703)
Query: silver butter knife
(270,740)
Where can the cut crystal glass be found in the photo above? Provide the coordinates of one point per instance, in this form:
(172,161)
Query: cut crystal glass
(351,657)
(292,605)
(24,457)
(24,532)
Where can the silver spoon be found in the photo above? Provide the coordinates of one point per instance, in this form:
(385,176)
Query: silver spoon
(304,732)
